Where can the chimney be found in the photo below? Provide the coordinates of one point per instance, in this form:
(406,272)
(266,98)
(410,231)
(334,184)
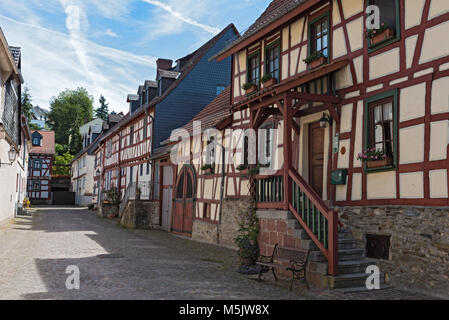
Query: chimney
(164,64)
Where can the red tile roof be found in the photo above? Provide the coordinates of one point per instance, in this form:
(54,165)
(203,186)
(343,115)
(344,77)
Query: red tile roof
(48,143)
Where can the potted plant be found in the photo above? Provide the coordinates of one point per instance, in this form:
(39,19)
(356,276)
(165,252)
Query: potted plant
(207,169)
(243,168)
(375,158)
(268,80)
(382,34)
(246,241)
(249,88)
(315,60)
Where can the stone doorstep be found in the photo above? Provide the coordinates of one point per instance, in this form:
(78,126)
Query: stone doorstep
(354,280)
(275,215)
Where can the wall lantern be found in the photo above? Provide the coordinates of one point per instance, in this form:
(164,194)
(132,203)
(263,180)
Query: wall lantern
(325,120)
(12,154)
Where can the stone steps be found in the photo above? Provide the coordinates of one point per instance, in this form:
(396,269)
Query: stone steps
(351,281)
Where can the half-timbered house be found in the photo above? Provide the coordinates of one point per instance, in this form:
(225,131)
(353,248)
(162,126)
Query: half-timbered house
(360,152)
(40,167)
(12,142)
(124,156)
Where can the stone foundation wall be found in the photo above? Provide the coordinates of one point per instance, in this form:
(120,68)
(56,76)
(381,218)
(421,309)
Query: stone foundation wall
(419,244)
(277,228)
(229,226)
(141,215)
(204,231)
(106,209)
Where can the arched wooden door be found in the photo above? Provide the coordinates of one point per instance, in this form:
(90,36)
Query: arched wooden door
(184,202)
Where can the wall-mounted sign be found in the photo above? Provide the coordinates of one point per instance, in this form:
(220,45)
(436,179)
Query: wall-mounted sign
(336,143)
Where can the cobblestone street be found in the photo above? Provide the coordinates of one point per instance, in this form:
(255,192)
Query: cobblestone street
(116,263)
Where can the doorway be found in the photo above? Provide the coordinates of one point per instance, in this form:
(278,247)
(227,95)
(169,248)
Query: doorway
(167,196)
(316,157)
(184,202)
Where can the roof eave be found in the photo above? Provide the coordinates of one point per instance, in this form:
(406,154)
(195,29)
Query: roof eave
(273,25)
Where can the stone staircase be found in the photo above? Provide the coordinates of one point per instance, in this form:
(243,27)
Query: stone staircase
(351,266)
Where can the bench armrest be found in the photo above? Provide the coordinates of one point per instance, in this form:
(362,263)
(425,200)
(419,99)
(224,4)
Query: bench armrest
(268,259)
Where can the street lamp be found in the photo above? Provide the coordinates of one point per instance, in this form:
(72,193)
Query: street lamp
(12,154)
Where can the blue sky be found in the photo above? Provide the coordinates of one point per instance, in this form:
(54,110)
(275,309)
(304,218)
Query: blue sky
(110,46)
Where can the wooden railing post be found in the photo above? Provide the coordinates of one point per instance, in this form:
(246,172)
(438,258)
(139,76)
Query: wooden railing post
(287,148)
(333,243)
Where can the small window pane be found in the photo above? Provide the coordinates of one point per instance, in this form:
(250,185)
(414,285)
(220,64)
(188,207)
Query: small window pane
(388,111)
(378,133)
(377,114)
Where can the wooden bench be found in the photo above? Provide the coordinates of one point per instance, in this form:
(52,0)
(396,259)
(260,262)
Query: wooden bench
(297,263)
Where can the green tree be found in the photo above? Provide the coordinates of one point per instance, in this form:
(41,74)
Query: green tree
(61,164)
(68,112)
(34,126)
(27,105)
(103,111)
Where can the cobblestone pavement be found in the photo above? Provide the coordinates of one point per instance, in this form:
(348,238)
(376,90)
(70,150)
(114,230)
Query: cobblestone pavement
(116,263)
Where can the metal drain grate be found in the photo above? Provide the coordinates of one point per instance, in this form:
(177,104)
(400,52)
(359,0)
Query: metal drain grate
(110,256)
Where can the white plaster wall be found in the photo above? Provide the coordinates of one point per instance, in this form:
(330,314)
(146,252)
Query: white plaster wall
(381,185)
(413,102)
(438,183)
(412,185)
(411,141)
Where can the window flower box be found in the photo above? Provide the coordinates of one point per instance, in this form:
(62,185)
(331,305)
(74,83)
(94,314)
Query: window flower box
(207,169)
(381,37)
(243,169)
(268,81)
(249,88)
(372,164)
(315,60)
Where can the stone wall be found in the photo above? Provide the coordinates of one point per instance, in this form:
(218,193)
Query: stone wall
(229,226)
(419,245)
(107,210)
(141,215)
(204,231)
(227,229)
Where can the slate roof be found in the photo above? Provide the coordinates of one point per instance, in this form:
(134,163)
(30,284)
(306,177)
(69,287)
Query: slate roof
(217,111)
(16,52)
(48,143)
(276,10)
(193,61)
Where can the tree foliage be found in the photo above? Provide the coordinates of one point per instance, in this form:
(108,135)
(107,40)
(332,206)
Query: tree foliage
(68,112)
(103,111)
(63,160)
(27,105)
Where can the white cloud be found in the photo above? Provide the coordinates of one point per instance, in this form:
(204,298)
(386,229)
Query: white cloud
(183,17)
(50,64)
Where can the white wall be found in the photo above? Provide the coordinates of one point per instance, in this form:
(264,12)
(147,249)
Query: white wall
(8,176)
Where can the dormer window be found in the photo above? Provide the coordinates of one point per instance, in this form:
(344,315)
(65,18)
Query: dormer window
(36,139)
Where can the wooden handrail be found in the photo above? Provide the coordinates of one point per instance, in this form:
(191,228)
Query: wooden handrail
(311,194)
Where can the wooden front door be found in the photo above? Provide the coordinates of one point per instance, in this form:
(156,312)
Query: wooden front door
(316,157)
(184,203)
(167,196)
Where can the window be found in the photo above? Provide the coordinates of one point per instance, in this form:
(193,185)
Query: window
(381,125)
(220,89)
(210,156)
(131,136)
(145,127)
(206,213)
(36,185)
(319,36)
(389,15)
(36,142)
(131,174)
(148,167)
(272,59)
(254,68)
(265,142)
(37,164)
(245,150)
(378,246)
(156,181)
(141,170)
